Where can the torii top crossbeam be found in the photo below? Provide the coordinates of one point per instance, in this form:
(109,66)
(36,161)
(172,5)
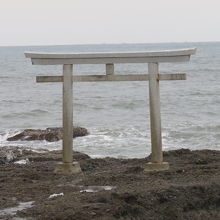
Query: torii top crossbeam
(45,58)
(153,58)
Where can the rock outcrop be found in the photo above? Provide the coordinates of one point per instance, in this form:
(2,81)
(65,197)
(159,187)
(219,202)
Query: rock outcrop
(49,134)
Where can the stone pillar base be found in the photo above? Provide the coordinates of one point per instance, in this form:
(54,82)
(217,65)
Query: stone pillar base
(68,168)
(156,166)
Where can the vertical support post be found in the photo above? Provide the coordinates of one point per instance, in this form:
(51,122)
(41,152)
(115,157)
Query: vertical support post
(155,121)
(109,68)
(68,166)
(67,114)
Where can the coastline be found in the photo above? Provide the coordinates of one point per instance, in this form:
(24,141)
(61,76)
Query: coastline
(110,188)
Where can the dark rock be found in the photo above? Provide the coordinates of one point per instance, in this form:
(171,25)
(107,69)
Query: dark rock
(49,134)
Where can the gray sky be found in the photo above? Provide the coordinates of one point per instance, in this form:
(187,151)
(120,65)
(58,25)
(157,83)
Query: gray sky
(49,22)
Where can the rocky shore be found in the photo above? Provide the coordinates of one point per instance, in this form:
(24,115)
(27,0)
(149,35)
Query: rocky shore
(109,188)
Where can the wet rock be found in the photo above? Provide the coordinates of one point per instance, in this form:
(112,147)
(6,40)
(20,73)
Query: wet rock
(9,154)
(21,155)
(49,134)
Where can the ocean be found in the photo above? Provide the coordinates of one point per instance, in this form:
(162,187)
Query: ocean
(115,113)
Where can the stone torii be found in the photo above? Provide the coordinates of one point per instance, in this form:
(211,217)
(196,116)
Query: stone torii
(153,58)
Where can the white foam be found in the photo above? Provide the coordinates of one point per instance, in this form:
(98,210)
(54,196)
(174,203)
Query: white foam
(4,135)
(24,161)
(96,188)
(88,188)
(55,195)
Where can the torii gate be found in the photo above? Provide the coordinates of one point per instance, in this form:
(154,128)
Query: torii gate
(153,58)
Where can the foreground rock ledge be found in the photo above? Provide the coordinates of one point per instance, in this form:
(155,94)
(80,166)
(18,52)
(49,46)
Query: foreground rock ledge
(49,134)
(110,188)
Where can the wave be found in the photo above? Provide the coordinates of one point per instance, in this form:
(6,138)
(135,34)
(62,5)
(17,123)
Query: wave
(34,112)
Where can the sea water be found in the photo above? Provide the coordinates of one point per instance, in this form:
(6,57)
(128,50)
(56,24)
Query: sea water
(116,114)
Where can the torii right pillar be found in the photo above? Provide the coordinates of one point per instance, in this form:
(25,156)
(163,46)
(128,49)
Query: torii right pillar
(156,163)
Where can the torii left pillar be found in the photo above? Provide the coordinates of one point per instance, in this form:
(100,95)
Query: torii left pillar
(67,166)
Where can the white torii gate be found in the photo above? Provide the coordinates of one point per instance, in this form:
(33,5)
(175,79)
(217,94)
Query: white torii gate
(153,58)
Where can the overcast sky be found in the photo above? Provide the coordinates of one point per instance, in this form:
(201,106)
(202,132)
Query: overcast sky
(49,22)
